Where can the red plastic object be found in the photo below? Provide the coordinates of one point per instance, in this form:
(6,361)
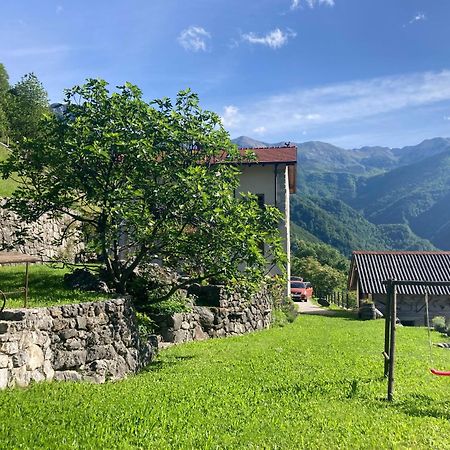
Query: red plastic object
(441,373)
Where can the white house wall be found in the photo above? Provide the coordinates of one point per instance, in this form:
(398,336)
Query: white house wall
(261,179)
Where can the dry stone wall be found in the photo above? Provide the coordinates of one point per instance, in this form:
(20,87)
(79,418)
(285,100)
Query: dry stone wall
(44,238)
(88,341)
(218,313)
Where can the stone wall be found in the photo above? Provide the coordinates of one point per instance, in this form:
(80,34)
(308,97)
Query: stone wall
(88,341)
(43,238)
(218,313)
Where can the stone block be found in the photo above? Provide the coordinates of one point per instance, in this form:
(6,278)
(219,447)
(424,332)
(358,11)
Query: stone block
(37,376)
(19,359)
(48,371)
(3,378)
(67,334)
(101,352)
(19,376)
(67,375)
(4,360)
(199,334)
(64,360)
(81,323)
(13,315)
(206,317)
(10,348)
(73,344)
(176,321)
(35,357)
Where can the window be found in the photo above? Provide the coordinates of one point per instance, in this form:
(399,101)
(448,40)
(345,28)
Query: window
(261,202)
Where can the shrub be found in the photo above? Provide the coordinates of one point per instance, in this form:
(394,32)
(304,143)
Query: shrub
(145,324)
(439,324)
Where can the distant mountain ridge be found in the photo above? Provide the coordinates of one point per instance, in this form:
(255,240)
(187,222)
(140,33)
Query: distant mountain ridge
(388,198)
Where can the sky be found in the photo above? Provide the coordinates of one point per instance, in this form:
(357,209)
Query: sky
(348,72)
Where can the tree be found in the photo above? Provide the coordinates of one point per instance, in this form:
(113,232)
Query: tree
(325,279)
(27,103)
(153,181)
(324,253)
(4,88)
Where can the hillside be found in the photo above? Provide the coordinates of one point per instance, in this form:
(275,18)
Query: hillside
(373,197)
(337,224)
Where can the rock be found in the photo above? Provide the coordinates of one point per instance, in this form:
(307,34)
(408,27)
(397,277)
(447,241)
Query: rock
(69,359)
(101,352)
(185,326)
(4,359)
(19,359)
(9,348)
(206,316)
(67,375)
(3,378)
(199,334)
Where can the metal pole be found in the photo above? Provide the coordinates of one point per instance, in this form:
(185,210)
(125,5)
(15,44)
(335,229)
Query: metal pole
(26,286)
(387,324)
(392,345)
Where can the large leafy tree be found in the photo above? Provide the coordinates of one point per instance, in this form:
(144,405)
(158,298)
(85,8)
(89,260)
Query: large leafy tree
(4,94)
(27,102)
(152,181)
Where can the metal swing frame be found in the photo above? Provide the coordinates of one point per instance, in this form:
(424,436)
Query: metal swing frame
(390,327)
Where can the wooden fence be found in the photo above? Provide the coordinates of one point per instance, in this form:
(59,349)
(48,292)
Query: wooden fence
(344,299)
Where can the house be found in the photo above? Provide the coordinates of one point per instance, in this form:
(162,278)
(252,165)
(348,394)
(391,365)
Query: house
(369,269)
(271,176)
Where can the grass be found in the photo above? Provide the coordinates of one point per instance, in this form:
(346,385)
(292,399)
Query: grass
(46,287)
(7,186)
(316,383)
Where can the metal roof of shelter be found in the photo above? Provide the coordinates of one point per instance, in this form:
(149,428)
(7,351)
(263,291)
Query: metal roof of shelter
(371,268)
(17,258)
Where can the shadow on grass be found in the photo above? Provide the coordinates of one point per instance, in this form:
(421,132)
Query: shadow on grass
(344,388)
(167,362)
(332,313)
(420,405)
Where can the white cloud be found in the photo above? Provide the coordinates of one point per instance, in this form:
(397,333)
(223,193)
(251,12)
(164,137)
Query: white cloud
(194,39)
(259,130)
(274,39)
(230,116)
(418,17)
(311,3)
(341,103)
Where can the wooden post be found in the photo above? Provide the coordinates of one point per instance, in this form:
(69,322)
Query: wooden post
(387,324)
(392,344)
(26,286)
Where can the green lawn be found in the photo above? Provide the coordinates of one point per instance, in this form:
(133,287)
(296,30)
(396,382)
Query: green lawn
(46,287)
(8,186)
(316,383)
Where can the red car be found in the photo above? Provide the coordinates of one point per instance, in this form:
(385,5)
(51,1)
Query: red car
(301,291)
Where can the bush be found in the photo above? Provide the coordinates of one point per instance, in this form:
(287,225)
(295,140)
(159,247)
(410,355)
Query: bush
(439,324)
(146,326)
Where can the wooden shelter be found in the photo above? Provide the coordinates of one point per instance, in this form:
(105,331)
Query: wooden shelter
(369,269)
(7,258)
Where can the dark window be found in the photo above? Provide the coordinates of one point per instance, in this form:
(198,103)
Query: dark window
(260,200)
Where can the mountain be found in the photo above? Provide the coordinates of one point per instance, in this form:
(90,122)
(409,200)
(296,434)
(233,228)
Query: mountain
(372,197)
(337,224)
(365,161)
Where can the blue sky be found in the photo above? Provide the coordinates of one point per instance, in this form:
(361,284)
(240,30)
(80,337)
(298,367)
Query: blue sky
(348,72)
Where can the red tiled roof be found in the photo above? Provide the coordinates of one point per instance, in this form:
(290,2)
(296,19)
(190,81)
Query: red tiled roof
(272,155)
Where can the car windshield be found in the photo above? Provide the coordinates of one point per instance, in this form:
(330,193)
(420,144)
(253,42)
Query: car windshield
(297,285)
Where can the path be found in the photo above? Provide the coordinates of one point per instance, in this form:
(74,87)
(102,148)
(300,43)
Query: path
(312,309)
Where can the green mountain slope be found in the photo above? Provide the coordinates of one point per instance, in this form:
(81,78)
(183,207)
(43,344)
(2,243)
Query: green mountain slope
(337,224)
